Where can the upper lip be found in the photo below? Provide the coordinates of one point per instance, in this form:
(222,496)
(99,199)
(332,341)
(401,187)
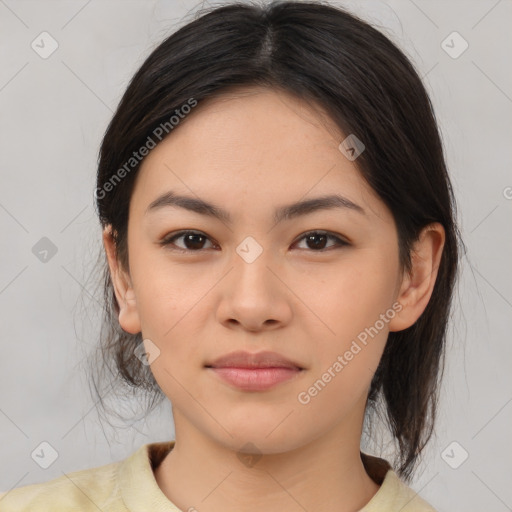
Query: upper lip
(241,359)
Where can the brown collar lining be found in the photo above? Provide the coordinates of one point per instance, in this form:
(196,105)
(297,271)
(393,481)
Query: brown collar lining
(374,466)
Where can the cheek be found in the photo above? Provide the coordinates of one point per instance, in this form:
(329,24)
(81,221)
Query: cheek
(350,296)
(355,310)
(173,307)
(346,361)
(168,294)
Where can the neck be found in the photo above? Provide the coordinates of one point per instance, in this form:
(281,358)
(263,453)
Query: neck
(324,475)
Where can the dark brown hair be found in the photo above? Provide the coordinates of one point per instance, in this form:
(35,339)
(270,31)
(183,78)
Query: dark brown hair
(328,57)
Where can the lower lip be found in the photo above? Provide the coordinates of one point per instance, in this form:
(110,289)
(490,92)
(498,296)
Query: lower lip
(256,379)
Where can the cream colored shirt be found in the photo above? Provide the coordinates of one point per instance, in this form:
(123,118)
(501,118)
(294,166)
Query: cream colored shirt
(130,486)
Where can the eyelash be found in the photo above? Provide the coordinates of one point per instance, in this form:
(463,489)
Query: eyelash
(170,239)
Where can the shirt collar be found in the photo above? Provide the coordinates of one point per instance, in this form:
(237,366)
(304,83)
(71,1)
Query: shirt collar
(138,486)
(140,491)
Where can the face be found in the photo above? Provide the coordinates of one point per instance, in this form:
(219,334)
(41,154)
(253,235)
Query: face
(318,286)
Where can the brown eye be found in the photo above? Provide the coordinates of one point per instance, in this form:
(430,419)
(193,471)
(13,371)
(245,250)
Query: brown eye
(317,240)
(192,241)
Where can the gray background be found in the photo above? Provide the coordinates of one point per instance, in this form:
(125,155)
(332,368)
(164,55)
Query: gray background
(54,113)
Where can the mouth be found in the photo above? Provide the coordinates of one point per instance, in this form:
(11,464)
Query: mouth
(255,379)
(248,360)
(254,372)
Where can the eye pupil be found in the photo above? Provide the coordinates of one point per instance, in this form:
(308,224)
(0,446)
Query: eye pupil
(317,245)
(192,237)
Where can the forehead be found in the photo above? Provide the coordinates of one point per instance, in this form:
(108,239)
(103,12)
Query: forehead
(252,146)
(272,109)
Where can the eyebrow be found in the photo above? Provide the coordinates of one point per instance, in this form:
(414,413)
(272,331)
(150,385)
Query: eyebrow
(287,212)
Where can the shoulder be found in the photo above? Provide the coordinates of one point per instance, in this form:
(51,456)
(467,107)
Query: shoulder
(85,490)
(394,494)
(120,486)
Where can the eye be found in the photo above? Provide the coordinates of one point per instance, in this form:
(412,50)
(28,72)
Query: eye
(194,240)
(317,240)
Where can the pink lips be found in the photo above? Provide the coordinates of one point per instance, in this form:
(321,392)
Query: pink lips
(254,372)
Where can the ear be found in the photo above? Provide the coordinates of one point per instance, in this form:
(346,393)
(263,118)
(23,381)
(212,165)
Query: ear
(128,314)
(417,285)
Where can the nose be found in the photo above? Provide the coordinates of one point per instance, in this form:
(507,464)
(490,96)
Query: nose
(254,296)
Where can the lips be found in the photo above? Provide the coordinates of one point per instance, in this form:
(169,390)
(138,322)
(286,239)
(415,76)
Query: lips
(247,360)
(254,372)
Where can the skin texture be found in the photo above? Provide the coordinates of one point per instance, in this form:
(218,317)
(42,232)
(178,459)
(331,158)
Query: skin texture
(249,152)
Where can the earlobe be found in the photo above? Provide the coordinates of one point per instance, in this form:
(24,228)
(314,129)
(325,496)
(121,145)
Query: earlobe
(417,285)
(128,313)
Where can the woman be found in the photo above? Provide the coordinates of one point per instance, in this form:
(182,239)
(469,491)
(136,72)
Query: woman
(279,229)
